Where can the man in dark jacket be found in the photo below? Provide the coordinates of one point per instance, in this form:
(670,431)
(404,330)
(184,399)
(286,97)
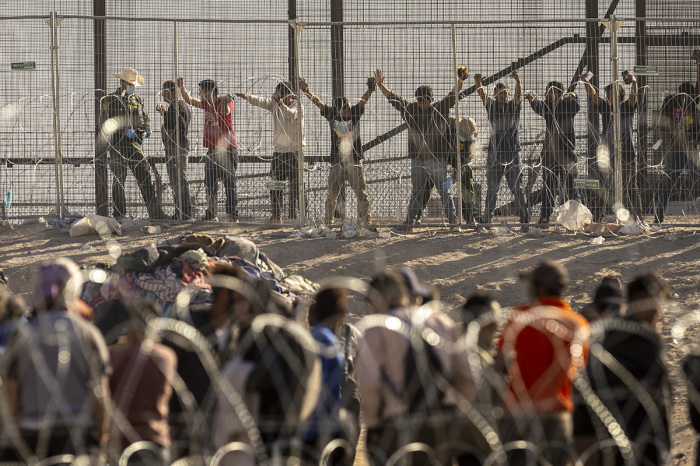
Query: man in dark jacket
(558,153)
(626,372)
(427,145)
(176,123)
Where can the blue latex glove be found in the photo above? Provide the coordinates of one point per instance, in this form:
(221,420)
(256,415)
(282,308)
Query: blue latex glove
(148,133)
(131,134)
(447,184)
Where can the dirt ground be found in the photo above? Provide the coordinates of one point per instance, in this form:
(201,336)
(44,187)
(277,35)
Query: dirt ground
(456,263)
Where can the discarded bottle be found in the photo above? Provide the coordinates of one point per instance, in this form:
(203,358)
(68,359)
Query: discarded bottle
(8,199)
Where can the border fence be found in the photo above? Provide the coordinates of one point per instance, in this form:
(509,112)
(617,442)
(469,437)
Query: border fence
(51,161)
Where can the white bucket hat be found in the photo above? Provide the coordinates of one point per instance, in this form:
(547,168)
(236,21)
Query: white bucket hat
(131,76)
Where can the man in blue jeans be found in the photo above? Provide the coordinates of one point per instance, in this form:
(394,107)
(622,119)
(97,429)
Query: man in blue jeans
(504,145)
(427,145)
(176,122)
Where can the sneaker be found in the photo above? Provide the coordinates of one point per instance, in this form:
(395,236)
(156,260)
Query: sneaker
(209,217)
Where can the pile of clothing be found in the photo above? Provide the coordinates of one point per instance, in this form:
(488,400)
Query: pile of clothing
(181,265)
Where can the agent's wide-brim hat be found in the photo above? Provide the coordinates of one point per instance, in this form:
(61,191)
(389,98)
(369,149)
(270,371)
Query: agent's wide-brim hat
(131,76)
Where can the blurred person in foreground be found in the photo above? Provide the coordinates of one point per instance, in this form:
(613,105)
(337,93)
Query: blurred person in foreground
(412,392)
(55,371)
(12,311)
(276,371)
(482,313)
(141,386)
(544,344)
(192,412)
(627,372)
(330,421)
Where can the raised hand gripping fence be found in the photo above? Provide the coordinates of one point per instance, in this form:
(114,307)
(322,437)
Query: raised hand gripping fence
(61,166)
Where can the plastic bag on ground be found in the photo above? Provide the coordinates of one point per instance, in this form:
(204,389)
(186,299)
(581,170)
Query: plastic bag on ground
(311,232)
(93,224)
(349,229)
(633,228)
(572,215)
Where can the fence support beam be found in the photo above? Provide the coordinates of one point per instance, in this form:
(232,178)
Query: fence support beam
(100,83)
(642,108)
(338,80)
(292,53)
(616,157)
(458,158)
(592,60)
(55,94)
(300,155)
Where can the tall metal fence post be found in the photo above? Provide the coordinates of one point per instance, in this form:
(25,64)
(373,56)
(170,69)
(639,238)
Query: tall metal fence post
(592,61)
(338,80)
(642,107)
(55,95)
(291,37)
(616,158)
(100,83)
(178,183)
(458,157)
(300,146)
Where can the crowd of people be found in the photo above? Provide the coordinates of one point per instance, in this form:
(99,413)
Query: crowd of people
(251,379)
(433,137)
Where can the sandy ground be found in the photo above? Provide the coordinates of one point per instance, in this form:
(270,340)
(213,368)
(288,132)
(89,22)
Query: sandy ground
(456,263)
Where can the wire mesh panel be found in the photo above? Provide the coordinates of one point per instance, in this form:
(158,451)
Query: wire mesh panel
(251,57)
(27,174)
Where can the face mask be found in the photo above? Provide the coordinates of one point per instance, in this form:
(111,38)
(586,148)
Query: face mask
(461,139)
(129,90)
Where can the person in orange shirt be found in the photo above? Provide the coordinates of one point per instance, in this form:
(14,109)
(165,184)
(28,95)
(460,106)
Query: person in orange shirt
(544,344)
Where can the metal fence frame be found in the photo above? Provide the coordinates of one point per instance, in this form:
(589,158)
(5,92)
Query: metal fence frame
(593,40)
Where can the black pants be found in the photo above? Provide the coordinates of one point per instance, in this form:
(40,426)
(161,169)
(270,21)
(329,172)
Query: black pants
(220,165)
(59,441)
(130,157)
(285,166)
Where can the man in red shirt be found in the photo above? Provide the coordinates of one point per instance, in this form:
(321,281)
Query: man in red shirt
(221,144)
(140,382)
(545,343)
